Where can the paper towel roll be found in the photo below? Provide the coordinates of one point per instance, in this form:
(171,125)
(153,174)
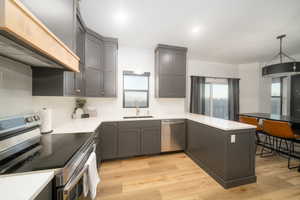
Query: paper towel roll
(46,118)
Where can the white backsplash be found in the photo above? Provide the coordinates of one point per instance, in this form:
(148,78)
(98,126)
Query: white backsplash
(62,107)
(15,88)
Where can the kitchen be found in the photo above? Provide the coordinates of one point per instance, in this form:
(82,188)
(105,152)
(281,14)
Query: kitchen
(92,84)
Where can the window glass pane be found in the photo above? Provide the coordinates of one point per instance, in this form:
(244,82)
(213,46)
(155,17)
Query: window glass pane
(276,103)
(135,99)
(135,82)
(207,99)
(220,100)
(275,90)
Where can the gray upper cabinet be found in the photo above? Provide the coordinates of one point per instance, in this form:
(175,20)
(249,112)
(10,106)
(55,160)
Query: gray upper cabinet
(100,65)
(98,54)
(93,50)
(170,71)
(94,65)
(110,67)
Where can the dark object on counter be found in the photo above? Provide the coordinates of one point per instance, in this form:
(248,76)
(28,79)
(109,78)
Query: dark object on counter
(85,116)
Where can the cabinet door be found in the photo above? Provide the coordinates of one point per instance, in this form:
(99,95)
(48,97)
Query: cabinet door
(93,82)
(93,52)
(69,83)
(109,140)
(165,61)
(178,63)
(129,142)
(172,86)
(178,136)
(80,41)
(151,141)
(110,70)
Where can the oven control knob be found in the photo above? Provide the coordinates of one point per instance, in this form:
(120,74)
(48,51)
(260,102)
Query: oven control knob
(29,119)
(36,118)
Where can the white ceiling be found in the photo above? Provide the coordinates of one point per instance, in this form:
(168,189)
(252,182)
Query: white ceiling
(229,31)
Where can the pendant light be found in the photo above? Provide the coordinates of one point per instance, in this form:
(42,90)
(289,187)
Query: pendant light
(290,66)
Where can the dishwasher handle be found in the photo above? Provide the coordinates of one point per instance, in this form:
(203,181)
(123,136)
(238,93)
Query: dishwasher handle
(172,122)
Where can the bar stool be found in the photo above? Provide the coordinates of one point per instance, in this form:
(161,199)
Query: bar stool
(283,132)
(255,122)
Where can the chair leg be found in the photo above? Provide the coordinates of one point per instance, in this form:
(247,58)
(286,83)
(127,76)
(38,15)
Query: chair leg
(291,152)
(267,143)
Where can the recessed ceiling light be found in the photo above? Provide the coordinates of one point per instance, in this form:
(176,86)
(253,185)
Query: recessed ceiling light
(121,17)
(196,29)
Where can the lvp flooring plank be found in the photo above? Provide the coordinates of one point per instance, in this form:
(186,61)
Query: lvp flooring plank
(177,177)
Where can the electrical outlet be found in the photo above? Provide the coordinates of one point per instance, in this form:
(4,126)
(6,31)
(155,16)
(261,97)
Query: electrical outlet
(232,139)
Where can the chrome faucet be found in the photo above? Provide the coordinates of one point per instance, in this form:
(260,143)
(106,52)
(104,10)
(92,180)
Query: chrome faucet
(137,110)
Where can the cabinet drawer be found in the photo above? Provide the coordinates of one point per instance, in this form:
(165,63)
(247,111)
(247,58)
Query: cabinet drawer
(139,124)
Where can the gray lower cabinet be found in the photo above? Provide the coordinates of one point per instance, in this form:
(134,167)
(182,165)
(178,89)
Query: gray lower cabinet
(108,148)
(151,140)
(170,71)
(129,143)
(229,163)
(128,139)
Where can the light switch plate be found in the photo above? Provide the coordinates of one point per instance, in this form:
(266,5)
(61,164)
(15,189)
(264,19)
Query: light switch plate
(232,139)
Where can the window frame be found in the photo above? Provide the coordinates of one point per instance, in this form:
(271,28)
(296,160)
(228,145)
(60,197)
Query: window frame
(211,82)
(280,96)
(131,73)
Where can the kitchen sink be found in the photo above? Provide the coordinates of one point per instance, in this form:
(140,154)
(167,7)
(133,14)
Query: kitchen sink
(136,117)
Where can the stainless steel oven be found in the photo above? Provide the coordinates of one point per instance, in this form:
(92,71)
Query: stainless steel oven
(69,180)
(24,149)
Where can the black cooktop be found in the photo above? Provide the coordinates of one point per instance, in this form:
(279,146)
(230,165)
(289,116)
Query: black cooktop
(54,151)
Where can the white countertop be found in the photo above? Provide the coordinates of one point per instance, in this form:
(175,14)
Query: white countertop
(91,124)
(24,186)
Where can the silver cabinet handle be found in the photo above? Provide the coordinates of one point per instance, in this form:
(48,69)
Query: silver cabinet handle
(78,90)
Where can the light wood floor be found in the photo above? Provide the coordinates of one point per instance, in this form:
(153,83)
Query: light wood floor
(176,176)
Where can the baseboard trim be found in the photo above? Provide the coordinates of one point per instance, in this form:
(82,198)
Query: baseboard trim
(225,183)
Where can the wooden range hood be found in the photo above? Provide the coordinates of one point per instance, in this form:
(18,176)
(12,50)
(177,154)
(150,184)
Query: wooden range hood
(25,39)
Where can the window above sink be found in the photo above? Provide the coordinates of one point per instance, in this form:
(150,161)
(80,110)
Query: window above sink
(135,90)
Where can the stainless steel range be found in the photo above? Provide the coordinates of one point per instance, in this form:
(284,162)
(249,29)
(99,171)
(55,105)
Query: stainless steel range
(24,149)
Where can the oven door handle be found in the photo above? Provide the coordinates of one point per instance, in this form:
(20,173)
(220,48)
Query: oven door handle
(70,185)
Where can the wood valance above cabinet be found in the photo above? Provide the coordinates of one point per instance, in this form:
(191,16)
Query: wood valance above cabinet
(24,38)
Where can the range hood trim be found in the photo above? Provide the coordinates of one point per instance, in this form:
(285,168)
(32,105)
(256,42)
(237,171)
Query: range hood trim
(21,25)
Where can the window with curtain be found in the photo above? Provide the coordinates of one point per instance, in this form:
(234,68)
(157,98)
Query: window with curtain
(216,98)
(135,90)
(276,96)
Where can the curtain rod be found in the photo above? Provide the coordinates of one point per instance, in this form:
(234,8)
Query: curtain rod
(216,77)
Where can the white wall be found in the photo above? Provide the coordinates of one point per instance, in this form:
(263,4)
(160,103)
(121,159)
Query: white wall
(249,87)
(15,88)
(209,69)
(141,60)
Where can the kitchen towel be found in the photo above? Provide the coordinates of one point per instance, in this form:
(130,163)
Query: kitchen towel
(91,177)
(46,119)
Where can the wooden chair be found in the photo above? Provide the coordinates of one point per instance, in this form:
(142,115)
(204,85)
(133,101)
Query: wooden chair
(252,121)
(282,132)
(255,122)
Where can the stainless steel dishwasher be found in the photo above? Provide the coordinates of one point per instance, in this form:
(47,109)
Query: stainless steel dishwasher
(173,135)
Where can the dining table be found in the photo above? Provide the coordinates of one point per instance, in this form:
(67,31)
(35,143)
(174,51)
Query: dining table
(294,121)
